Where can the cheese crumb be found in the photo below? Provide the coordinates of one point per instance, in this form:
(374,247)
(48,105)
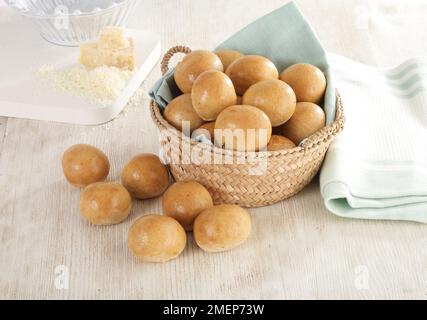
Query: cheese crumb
(101,85)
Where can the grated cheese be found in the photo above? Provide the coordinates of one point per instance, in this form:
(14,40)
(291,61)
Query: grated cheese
(101,85)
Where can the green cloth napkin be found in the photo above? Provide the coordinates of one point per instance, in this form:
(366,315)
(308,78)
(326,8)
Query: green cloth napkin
(377,167)
(284,36)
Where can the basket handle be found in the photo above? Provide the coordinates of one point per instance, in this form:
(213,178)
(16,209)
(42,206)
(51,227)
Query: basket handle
(164,65)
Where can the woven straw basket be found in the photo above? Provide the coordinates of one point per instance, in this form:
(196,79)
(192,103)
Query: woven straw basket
(287,171)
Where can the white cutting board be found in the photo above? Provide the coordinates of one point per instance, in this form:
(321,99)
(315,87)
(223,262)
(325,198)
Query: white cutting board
(22,95)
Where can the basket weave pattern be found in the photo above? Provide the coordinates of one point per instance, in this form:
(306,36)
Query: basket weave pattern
(244,182)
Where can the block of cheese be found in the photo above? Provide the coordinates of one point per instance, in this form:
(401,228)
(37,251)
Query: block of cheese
(92,56)
(113,50)
(114,38)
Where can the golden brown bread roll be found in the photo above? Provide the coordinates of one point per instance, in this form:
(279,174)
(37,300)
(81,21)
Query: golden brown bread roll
(274,97)
(307,119)
(279,143)
(228,57)
(247,128)
(249,70)
(184,200)
(222,228)
(212,92)
(307,81)
(156,238)
(181,109)
(193,65)
(105,203)
(207,129)
(83,164)
(145,176)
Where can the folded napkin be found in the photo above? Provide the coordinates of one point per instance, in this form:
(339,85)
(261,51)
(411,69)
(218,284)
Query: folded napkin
(377,167)
(284,36)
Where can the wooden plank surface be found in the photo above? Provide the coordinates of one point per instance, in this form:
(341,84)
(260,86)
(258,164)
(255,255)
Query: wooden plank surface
(297,248)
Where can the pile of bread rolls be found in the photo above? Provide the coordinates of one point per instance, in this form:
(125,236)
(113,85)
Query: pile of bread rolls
(228,90)
(187,205)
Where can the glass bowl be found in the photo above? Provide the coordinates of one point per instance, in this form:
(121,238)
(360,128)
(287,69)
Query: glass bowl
(72,22)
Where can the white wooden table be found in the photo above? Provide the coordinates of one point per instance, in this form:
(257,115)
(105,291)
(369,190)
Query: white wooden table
(297,248)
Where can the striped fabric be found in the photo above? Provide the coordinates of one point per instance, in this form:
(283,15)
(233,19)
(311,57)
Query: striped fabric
(377,168)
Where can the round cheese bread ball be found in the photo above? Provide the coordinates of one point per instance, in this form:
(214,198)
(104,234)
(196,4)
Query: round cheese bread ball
(249,70)
(83,164)
(274,97)
(212,92)
(181,109)
(145,176)
(307,119)
(222,228)
(156,238)
(242,128)
(307,81)
(207,130)
(228,56)
(105,203)
(193,64)
(279,143)
(184,200)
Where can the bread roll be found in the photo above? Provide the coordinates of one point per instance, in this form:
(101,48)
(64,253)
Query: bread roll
(274,97)
(193,64)
(279,143)
(249,70)
(207,130)
(307,119)
(242,128)
(156,238)
(307,81)
(145,176)
(105,203)
(212,92)
(228,57)
(181,109)
(222,228)
(184,200)
(83,164)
